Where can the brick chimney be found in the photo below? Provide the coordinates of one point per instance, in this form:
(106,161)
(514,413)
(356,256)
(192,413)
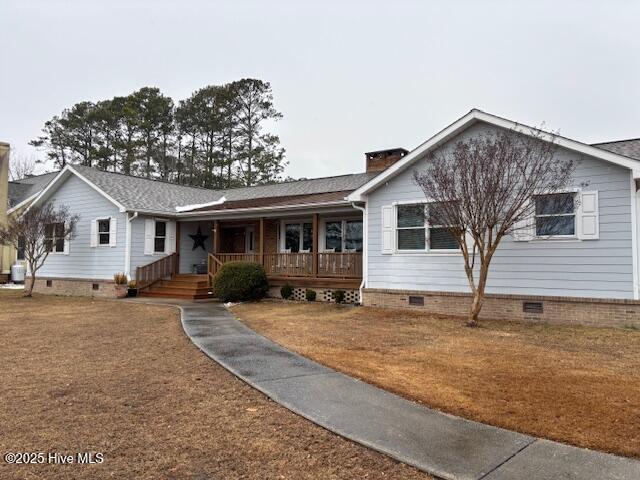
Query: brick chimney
(382,159)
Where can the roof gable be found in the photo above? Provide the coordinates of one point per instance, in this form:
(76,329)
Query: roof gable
(473,117)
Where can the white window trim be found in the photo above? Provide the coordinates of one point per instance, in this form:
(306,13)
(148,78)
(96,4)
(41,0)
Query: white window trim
(63,252)
(282,241)
(322,233)
(98,220)
(427,250)
(576,226)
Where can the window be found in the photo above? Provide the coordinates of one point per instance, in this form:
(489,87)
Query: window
(343,235)
(333,236)
(555,215)
(411,227)
(104,227)
(21,247)
(353,235)
(54,237)
(298,236)
(160,237)
(440,237)
(416,233)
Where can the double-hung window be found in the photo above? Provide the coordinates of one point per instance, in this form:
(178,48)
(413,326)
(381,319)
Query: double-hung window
(104,231)
(54,237)
(298,236)
(160,237)
(343,235)
(555,215)
(415,233)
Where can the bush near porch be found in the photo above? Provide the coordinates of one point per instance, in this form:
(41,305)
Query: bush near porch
(579,385)
(240,281)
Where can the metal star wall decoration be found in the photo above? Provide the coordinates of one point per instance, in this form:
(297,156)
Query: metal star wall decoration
(199,239)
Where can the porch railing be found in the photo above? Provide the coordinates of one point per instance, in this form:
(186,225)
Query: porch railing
(164,267)
(215,261)
(335,265)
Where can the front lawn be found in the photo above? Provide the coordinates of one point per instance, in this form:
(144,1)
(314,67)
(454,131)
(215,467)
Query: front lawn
(119,378)
(572,384)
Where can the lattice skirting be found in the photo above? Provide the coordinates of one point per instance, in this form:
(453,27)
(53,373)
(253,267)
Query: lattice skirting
(322,294)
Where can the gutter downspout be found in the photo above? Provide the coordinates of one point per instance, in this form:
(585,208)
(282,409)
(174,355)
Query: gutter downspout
(365,235)
(127,248)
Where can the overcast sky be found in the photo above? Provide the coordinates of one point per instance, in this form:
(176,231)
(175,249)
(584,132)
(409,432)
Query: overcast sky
(349,76)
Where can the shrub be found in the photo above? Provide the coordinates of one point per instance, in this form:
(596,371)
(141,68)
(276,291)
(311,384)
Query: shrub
(338,296)
(133,284)
(238,281)
(120,279)
(286,291)
(310,295)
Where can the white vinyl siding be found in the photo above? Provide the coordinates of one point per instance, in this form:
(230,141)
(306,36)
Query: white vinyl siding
(601,267)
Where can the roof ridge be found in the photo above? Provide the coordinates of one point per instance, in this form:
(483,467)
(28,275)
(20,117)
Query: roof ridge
(156,180)
(219,190)
(21,180)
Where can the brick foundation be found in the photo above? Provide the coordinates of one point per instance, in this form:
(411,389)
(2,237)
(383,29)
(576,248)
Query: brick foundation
(556,310)
(74,287)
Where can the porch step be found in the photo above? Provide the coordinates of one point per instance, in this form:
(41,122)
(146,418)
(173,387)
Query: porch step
(179,282)
(180,286)
(186,296)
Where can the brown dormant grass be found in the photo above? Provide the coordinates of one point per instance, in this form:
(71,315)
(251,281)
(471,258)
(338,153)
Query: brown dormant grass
(121,378)
(572,384)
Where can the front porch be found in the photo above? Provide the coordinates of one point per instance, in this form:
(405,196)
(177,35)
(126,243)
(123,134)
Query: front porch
(320,251)
(317,250)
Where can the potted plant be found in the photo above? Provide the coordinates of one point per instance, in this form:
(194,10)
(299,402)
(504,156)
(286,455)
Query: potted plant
(120,279)
(133,289)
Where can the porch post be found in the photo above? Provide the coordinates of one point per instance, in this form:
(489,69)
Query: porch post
(216,237)
(261,240)
(314,246)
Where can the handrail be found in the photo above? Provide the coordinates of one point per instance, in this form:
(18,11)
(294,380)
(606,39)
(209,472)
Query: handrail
(335,265)
(147,275)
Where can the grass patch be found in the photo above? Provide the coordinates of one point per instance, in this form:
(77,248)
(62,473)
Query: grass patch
(577,385)
(122,378)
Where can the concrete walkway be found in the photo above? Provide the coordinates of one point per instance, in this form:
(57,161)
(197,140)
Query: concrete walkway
(443,445)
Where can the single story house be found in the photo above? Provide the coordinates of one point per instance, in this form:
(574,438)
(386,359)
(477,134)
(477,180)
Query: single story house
(351,232)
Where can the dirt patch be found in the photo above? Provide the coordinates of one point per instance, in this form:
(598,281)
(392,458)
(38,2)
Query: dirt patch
(106,376)
(576,385)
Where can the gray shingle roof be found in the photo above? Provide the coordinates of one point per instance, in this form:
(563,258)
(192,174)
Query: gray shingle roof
(628,148)
(20,190)
(136,193)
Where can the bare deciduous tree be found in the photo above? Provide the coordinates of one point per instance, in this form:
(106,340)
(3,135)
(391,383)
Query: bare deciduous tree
(482,190)
(38,232)
(21,166)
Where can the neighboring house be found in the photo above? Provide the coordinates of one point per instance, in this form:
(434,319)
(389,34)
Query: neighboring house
(19,195)
(357,233)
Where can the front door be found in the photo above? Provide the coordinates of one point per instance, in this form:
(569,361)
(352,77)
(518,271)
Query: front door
(232,240)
